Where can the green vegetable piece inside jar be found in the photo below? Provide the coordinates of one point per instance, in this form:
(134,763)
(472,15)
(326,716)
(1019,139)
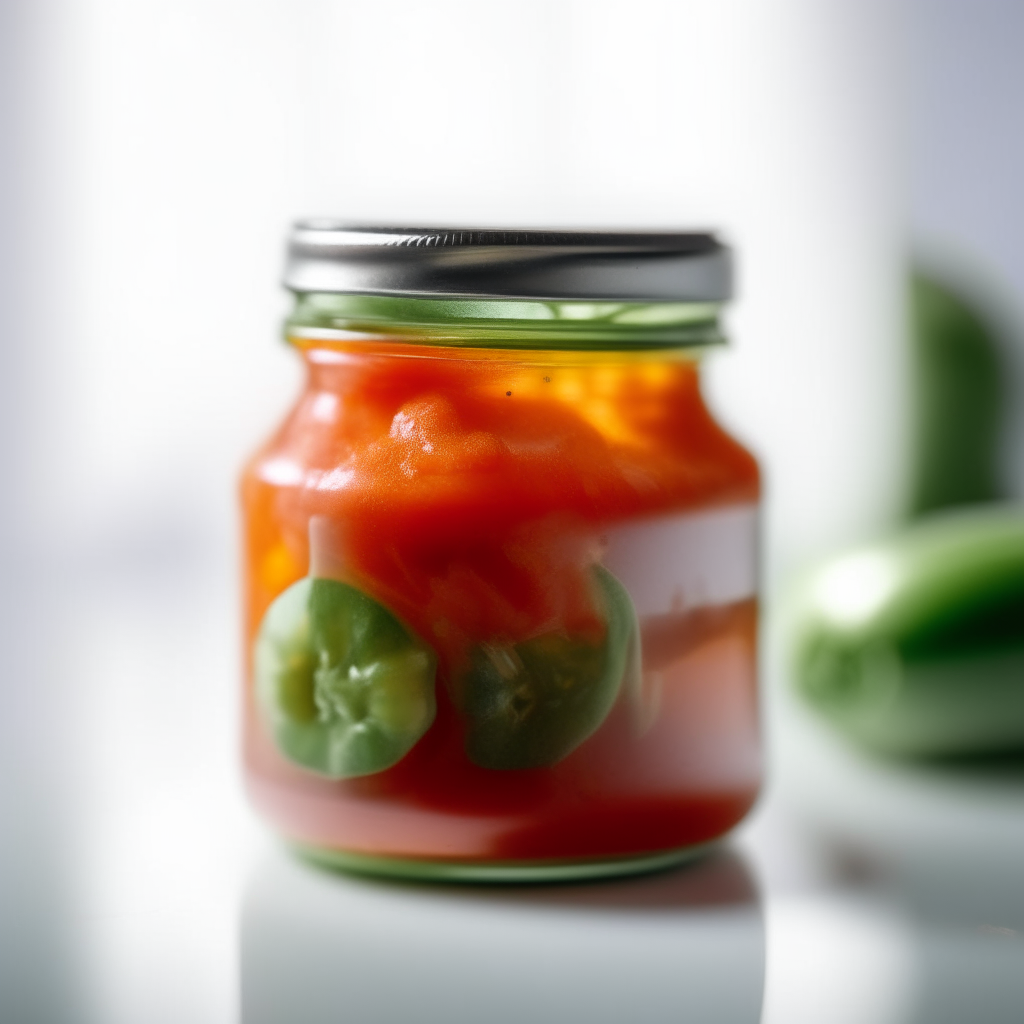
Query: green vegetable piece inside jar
(346,689)
(531,704)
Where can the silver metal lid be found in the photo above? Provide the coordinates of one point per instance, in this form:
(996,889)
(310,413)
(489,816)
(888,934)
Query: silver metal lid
(330,256)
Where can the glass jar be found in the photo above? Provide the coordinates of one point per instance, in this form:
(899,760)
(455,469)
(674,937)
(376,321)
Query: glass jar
(500,560)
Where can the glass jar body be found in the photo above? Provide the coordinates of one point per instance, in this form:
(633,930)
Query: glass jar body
(561,547)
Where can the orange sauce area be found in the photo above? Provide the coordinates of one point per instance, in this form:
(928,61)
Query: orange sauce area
(468,492)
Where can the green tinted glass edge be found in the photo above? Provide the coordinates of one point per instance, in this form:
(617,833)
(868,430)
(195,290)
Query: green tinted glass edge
(504,323)
(498,872)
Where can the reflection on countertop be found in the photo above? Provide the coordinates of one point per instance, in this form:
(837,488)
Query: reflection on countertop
(912,871)
(681,945)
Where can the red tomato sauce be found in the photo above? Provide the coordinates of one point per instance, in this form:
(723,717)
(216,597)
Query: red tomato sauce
(469,492)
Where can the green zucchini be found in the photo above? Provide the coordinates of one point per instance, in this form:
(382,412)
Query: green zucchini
(957,401)
(915,645)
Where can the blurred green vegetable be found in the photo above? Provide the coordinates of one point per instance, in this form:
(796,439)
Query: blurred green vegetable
(916,645)
(346,689)
(531,704)
(957,401)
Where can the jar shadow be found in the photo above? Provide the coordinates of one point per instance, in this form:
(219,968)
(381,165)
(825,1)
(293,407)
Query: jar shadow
(682,944)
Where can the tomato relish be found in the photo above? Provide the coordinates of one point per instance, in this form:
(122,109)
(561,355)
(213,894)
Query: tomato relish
(500,593)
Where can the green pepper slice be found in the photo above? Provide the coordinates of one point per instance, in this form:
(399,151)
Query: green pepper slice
(531,704)
(346,689)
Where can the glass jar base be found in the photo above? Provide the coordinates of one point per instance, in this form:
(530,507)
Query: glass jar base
(498,872)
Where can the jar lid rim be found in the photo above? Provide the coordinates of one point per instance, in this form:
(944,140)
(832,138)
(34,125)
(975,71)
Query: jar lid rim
(326,255)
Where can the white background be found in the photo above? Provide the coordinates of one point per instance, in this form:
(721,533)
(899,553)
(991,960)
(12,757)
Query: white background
(169,145)
(153,156)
